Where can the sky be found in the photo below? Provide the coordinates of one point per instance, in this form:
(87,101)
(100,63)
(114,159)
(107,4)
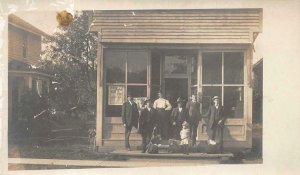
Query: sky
(43,20)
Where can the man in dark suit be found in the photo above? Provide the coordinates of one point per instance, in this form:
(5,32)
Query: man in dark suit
(178,116)
(215,120)
(147,122)
(193,108)
(130,117)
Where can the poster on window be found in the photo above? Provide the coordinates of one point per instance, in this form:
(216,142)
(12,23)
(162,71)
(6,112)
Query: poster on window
(116,95)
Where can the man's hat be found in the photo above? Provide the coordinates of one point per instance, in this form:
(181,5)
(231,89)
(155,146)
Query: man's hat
(215,97)
(180,100)
(185,123)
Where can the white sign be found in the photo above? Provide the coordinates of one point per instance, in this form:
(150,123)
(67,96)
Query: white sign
(116,95)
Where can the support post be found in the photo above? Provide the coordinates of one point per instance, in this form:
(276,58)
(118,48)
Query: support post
(100,83)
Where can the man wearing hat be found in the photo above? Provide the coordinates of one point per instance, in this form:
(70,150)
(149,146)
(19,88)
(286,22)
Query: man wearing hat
(130,117)
(216,120)
(147,122)
(178,116)
(162,105)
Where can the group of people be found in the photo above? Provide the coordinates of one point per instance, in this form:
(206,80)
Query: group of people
(182,120)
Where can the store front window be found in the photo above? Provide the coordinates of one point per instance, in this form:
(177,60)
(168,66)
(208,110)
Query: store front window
(223,76)
(125,72)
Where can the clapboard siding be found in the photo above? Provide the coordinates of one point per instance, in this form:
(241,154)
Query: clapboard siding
(16,38)
(177,26)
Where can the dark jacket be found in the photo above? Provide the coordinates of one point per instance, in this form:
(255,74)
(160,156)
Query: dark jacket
(130,114)
(214,116)
(147,121)
(179,117)
(193,111)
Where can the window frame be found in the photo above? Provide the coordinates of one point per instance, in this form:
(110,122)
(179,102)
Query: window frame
(222,85)
(126,84)
(24,45)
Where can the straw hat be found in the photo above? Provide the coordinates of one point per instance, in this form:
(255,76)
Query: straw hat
(185,123)
(215,97)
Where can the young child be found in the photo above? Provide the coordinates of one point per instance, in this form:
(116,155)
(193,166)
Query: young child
(155,142)
(185,137)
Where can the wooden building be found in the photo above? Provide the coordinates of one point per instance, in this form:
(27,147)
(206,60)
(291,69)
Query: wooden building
(24,49)
(206,52)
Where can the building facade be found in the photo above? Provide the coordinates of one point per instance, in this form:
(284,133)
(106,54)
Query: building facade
(24,50)
(181,52)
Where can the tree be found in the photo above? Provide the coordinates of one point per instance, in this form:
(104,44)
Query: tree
(70,54)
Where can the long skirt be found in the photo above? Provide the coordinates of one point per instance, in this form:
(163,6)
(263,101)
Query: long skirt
(163,124)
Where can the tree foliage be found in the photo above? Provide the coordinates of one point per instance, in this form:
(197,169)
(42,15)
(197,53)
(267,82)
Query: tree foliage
(70,54)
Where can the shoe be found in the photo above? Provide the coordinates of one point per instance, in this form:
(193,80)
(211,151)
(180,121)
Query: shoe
(143,151)
(128,149)
(213,142)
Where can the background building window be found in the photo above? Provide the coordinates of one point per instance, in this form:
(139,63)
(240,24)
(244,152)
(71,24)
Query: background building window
(223,76)
(24,46)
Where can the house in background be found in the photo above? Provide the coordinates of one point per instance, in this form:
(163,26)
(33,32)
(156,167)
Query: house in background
(207,52)
(24,49)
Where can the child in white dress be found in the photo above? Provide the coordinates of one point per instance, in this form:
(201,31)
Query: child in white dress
(185,137)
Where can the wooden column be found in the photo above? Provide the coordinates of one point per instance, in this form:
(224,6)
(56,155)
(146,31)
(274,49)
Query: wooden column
(249,82)
(100,84)
(29,82)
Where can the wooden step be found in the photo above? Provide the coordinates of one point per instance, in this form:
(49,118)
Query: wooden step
(138,154)
(119,143)
(117,128)
(134,136)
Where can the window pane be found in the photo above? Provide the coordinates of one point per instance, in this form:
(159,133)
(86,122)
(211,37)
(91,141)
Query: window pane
(137,91)
(194,69)
(155,68)
(233,67)
(137,67)
(114,63)
(212,68)
(207,94)
(176,64)
(234,102)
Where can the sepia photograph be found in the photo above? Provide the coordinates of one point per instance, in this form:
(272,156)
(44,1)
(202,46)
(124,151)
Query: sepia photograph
(132,87)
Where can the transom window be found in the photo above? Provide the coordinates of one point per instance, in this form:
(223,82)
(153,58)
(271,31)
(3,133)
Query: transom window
(223,76)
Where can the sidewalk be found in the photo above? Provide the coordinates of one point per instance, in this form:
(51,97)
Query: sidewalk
(14,163)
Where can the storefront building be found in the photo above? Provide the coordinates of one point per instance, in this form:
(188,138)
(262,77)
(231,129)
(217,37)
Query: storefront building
(181,52)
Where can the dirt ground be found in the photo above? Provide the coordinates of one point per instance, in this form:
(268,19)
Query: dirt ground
(81,150)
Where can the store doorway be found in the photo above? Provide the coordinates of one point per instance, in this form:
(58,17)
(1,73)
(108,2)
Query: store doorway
(176,87)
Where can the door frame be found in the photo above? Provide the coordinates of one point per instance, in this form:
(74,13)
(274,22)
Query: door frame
(187,75)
